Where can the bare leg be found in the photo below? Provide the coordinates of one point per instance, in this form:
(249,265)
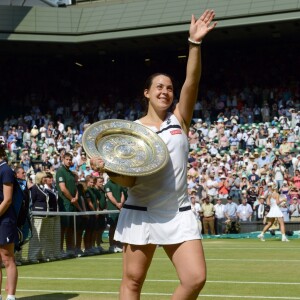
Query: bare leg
(282,226)
(188,259)
(269,224)
(136,261)
(282,229)
(8,259)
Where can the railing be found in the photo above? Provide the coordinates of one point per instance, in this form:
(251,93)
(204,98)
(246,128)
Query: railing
(44,248)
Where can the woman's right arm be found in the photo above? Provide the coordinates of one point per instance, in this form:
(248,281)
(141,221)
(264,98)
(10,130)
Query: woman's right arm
(97,164)
(126,181)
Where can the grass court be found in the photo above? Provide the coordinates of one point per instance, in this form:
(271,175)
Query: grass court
(237,269)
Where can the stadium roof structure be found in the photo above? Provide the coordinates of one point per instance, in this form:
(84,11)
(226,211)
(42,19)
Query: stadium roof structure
(109,25)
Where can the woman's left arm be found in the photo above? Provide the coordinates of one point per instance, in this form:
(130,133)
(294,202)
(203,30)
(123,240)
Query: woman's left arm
(188,96)
(7,197)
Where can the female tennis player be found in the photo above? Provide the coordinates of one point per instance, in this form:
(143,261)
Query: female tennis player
(158,211)
(273,200)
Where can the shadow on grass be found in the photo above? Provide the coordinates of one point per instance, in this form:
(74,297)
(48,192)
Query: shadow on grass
(53,296)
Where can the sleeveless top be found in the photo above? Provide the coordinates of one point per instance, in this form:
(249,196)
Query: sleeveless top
(169,183)
(161,195)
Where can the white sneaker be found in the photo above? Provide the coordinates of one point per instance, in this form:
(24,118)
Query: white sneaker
(261,237)
(284,239)
(115,249)
(118,249)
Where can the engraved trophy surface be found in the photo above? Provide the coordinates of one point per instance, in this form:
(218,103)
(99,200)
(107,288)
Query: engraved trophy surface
(127,148)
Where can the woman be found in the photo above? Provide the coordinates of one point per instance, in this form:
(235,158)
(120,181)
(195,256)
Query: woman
(269,144)
(41,244)
(244,185)
(164,215)
(273,200)
(8,226)
(92,205)
(284,190)
(293,192)
(53,233)
(263,183)
(82,220)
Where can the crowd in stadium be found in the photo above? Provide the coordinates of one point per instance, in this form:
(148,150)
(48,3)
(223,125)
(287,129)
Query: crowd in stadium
(244,138)
(234,157)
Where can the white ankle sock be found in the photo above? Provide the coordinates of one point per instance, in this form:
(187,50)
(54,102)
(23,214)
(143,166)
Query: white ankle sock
(11,297)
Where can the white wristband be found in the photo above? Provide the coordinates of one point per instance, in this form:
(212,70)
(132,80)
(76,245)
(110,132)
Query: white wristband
(194,42)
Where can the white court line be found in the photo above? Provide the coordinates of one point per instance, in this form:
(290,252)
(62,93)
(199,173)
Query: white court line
(211,259)
(158,294)
(156,280)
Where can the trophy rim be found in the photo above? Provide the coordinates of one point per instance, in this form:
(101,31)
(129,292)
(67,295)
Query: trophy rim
(111,131)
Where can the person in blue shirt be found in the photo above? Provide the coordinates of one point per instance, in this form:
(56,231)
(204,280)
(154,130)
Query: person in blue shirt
(8,225)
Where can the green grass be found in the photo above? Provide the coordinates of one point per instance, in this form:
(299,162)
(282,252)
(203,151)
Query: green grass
(237,269)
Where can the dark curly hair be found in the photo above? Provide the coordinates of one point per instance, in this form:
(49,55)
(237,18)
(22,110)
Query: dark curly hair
(148,83)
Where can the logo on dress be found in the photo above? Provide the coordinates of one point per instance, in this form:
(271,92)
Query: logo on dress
(176,131)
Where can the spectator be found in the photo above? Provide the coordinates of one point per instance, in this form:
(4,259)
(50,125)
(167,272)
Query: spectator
(294,210)
(224,189)
(115,201)
(208,219)
(81,221)
(39,244)
(99,189)
(235,191)
(230,209)
(197,210)
(54,231)
(68,202)
(219,216)
(92,226)
(260,209)
(212,187)
(244,211)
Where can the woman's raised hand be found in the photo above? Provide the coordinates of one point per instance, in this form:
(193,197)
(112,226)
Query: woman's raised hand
(199,28)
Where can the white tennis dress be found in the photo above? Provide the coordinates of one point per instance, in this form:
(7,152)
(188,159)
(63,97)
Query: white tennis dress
(275,211)
(166,217)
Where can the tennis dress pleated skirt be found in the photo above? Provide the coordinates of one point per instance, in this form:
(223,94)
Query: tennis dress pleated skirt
(275,211)
(158,210)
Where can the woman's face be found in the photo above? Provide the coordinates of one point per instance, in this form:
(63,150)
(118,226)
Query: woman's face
(90,183)
(160,94)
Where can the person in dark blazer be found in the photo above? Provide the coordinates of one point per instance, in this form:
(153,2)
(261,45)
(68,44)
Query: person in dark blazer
(261,209)
(40,228)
